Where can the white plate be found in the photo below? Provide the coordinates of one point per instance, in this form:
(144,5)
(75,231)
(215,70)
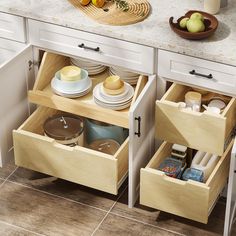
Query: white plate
(76,91)
(72,95)
(97,95)
(116,108)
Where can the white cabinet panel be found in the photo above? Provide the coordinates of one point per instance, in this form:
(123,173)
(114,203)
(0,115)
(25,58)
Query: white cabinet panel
(142,141)
(197,72)
(91,46)
(12,27)
(14,78)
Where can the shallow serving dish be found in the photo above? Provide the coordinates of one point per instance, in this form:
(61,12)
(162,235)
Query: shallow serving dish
(210,21)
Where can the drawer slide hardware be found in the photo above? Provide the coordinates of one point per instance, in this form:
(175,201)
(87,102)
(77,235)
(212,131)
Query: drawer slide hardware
(139,126)
(193,72)
(97,49)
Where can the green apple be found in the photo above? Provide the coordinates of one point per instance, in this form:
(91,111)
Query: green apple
(183,22)
(197,16)
(195,26)
(202,28)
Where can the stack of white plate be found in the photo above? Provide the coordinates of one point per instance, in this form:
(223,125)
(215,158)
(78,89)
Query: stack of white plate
(71,89)
(92,67)
(114,102)
(125,75)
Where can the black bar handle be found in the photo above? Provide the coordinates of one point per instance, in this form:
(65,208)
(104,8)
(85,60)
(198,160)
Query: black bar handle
(193,72)
(139,126)
(97,49)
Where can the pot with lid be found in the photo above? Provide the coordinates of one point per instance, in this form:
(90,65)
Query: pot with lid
(65,129)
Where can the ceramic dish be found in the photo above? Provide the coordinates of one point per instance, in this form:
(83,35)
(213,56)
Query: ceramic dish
(70,73)
(210,22)
(97,95)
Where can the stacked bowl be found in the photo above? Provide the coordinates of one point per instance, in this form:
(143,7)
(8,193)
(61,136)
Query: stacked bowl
(127,76)
(93,68)
(71,82)
(113,93)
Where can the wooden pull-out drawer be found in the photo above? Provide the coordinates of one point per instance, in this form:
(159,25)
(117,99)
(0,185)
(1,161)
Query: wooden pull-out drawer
(92,46)
(43,95)
(189,199)
(12,27)
(78,164)
(199,130)
(198,72)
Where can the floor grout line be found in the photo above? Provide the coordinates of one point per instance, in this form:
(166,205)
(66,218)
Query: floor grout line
(145,223)
(8,177)
(54,195)
(19,227)
(109,211)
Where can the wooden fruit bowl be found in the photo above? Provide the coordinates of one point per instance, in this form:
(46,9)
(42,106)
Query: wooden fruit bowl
(210,21)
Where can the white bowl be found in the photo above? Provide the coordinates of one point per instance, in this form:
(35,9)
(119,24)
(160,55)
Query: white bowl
(78,85)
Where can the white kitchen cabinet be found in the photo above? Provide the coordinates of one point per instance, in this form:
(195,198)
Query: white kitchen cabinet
(231,194)
(12,27)
(91,46)
(197,72)
(15,78)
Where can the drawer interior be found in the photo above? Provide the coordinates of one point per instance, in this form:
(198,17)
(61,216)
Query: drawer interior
(199,130)
(42,93)
(35,151)
(190,199)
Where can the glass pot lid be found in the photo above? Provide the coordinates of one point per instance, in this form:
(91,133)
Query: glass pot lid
(63,127)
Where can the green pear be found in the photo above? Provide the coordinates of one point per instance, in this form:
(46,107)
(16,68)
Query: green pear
(197,16)
(183,22)
(195,26)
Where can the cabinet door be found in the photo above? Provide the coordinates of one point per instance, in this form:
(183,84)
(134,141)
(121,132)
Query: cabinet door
(142,141)
(231,194)
(15,75)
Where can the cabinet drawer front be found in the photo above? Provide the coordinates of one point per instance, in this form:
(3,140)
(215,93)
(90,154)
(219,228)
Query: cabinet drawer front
(176,67)
(189,199)
(77,164)
(12,27)
(111,51)
(199,130)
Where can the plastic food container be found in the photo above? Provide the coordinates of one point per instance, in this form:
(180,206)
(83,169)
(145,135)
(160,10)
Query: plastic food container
(171,167)
(65,129)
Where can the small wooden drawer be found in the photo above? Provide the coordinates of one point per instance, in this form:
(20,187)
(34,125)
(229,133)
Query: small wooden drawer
(43,95)
(189,199)
(12,27)
(199,130)
(78,164)
(92,46)
(179,68)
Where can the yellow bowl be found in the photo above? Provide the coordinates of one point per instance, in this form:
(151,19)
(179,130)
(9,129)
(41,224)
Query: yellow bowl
(113,82)
(114,91)
(70,73)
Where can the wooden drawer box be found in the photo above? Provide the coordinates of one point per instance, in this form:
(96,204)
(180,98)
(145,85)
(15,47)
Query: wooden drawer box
(189,199)
(77,164)
(199,130)
(177,67)
(92,46)
(12,27)
(43,95)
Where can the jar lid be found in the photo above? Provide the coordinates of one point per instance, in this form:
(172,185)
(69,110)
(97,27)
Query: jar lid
(63,127)
(108,146)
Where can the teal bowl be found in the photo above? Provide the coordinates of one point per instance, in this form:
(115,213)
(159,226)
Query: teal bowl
(95,130)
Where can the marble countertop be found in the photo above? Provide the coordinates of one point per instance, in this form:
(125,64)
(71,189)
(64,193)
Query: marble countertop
(154,31)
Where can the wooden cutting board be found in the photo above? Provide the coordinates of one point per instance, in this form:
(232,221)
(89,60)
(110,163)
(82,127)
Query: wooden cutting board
(109,14)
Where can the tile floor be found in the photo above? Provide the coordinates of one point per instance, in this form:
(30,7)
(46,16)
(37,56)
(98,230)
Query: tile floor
(35,204)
